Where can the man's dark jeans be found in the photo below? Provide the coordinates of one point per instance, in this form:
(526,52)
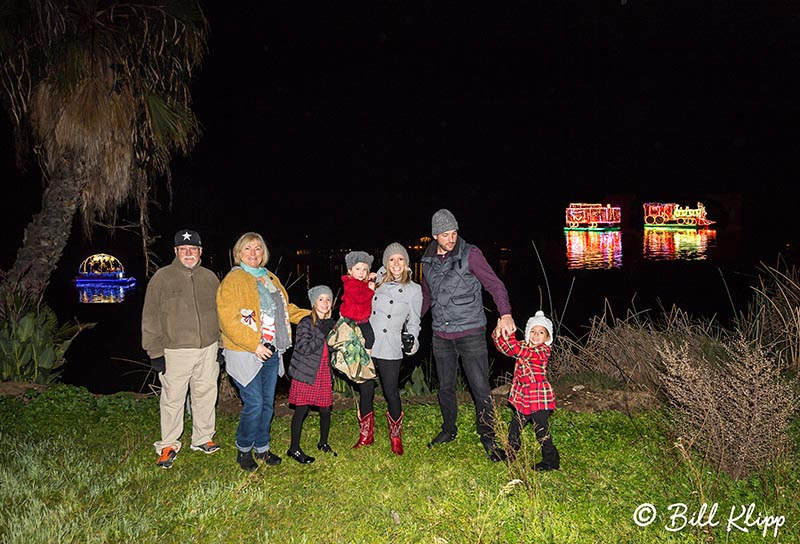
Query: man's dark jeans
(475,362)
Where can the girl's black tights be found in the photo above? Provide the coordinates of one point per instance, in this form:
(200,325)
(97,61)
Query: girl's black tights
(541,425)
(300,413)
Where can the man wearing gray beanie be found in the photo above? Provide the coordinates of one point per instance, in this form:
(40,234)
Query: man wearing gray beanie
(443,221)
(454,275)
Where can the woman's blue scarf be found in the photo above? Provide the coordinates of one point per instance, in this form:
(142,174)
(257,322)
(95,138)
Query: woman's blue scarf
(265,292)
(255,271)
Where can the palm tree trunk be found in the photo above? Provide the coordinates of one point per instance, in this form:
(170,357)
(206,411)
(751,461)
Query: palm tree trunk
(47,234)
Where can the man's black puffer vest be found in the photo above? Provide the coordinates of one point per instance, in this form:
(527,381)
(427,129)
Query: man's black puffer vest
(456,294)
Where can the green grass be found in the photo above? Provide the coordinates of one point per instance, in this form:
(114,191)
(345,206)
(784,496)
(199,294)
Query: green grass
(75,468)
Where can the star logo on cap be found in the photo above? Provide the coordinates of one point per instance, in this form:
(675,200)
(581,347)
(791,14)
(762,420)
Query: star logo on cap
(187,236)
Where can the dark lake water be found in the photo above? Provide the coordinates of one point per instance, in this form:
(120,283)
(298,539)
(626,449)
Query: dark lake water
(573,274)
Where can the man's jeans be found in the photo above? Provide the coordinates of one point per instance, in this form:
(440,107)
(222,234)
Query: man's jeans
(258,405)
(475,362)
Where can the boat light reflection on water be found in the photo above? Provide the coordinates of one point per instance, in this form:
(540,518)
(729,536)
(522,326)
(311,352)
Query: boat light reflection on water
(602,250)
(99,294)
(593,250)
(671,244)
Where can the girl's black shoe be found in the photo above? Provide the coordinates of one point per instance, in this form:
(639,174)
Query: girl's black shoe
(325,447)
(300,457)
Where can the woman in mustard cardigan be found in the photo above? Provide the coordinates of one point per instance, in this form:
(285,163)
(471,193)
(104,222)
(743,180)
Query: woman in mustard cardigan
(254,316)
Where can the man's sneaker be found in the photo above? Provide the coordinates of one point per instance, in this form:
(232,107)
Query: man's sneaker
(167,456)
(208,447)
(442,437)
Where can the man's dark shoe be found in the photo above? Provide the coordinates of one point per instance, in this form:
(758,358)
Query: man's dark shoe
(496,454)
(300,457)
(542,466)
(442,437)
(269,458)
(246,461)
(493,452)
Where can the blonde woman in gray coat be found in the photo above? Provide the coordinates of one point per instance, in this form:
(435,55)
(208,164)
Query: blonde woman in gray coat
(395,320)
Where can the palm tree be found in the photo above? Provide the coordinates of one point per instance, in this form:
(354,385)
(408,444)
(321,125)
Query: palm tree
(98,90)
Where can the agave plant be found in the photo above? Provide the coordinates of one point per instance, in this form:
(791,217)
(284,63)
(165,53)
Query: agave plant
(99,90)
(32,343)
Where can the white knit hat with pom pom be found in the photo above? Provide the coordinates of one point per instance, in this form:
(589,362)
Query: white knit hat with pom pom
(539,319)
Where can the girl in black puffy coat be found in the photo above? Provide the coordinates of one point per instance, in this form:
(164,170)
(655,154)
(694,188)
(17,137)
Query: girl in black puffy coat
(310,372)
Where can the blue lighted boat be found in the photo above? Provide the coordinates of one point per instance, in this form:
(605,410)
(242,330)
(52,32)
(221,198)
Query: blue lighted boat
(102,269)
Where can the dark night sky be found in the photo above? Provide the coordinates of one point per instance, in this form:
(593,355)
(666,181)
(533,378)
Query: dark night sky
(333,127)
(396,110)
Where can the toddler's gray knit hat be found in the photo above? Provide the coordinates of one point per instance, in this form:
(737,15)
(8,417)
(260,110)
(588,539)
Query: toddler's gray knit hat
(394,248)
(442,221)
(355,257)
(316,291)
(539,319)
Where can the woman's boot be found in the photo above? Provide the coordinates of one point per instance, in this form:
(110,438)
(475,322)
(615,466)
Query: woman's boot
(366,427)
(396,433)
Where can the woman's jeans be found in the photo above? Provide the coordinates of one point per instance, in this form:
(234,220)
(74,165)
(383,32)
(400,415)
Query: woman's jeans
(258,406)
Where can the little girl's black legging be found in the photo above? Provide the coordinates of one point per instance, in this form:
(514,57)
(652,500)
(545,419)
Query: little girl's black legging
(300,413)
(389,372)
(541,425)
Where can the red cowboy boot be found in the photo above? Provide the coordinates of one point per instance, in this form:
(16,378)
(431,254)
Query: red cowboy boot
(366,427)
(396,433)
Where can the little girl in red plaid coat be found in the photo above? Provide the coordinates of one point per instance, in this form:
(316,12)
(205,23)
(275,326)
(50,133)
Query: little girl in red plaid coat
(531,396)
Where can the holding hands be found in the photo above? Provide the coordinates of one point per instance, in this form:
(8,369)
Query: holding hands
(498,331)
(505,326)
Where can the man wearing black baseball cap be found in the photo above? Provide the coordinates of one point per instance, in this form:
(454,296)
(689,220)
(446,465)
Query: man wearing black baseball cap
(180,333)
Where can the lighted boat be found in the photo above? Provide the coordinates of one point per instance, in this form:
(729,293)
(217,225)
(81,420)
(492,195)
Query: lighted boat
(669,214)
(102,269)
(582,216)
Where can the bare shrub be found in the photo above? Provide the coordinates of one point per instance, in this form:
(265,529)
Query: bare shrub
(627,350)
(565,358)
(772,318)
(734,409)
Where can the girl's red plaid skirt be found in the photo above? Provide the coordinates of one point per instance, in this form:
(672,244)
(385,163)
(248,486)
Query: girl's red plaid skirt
(319,393)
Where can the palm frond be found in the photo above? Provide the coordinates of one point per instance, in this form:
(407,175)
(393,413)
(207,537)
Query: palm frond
(103,87)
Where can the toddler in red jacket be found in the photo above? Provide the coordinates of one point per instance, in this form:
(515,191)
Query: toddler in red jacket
(358,288)
(531,397)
